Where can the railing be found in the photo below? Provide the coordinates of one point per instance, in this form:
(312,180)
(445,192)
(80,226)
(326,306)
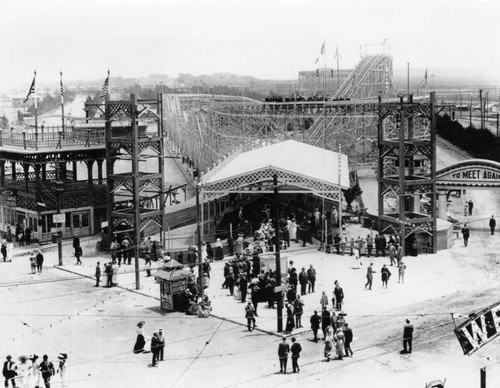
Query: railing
(72,137)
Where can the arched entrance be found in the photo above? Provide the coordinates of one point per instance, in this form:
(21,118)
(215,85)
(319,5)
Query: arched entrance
(466,175)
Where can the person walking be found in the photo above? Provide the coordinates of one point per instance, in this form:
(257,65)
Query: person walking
(407,337)
(97,274)
(78,254)
(392,253)
(283,351)
(9,371)
(339,344)
(327,351)
(47,369)
(369,276)
(315,324)
(295,350)
(471,206)
(323,301)
(466,234)
(161,344)
(493,225)
(140,341)
(401,270)
(385,274)
(62,368)
(39,261)
(339,296)
(347,340)
(311,277)
(155,349)
(325,321)
(250,316)
(33,261)
(35,370)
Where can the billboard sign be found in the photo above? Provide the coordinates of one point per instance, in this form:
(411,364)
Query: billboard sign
(479,329)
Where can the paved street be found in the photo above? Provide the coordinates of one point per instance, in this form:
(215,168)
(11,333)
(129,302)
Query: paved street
(61,311)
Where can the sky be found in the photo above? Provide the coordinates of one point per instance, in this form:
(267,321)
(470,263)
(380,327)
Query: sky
(269,39)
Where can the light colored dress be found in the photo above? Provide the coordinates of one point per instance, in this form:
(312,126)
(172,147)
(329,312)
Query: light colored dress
(292,230)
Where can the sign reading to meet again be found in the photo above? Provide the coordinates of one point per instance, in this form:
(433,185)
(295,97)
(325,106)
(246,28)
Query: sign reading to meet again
(475,174)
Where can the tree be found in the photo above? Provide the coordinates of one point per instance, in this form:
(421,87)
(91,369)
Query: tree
(351,194)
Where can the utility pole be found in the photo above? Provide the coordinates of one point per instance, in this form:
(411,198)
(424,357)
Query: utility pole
(481,108)
(279,310)
(482,374)
(198,232)
(337,57)
(408,80)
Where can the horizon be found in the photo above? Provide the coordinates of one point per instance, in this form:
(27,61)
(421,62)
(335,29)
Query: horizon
(268,40)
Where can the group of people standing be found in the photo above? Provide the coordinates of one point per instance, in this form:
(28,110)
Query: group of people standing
(36,261)
(157,344)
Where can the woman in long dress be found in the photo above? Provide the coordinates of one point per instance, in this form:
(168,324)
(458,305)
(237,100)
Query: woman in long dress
(292,230)
(140,342)
(339,344)
(219,253)
(328,343)
(23,372)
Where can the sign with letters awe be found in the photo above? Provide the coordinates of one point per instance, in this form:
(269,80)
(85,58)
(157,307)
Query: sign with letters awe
(479,329)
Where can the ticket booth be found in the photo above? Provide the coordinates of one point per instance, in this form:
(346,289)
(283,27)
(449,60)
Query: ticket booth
(173,280)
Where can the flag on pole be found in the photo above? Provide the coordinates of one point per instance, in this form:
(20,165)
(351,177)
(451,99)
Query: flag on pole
(62,87)
(32,89)
(424,80)
(323,49)
(105,87)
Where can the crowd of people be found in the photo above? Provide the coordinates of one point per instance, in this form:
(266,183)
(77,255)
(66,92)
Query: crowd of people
(30,372)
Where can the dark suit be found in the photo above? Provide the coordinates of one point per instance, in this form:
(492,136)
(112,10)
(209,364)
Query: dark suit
(283,350)
(155,350)
(296,349)
(315,322)
(407,337)
(9,372)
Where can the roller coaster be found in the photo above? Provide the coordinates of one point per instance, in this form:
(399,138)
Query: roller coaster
(209,128)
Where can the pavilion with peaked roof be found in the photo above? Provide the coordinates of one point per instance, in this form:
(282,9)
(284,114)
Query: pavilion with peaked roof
(299,168)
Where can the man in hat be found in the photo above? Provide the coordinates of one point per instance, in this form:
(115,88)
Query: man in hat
(303,281)
(347,340)
(407,337)
(161,344)
(9,371)
(155,349)
(369,276)
(315,323)
(250,316)
(47,369)
(39,261)
(283,351)
(295,349)
(62,367)
(97,274)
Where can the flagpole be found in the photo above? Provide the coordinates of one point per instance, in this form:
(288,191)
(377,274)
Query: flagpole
(62,101)
(408,81)
(36,107)
(108,96)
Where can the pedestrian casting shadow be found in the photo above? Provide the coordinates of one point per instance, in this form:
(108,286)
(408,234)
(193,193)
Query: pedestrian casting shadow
(151,366)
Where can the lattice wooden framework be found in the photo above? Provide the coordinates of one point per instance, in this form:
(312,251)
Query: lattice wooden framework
(261,182)
(135,197)
(407,167)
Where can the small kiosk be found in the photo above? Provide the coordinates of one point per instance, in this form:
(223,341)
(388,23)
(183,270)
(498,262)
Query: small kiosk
(173,280)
